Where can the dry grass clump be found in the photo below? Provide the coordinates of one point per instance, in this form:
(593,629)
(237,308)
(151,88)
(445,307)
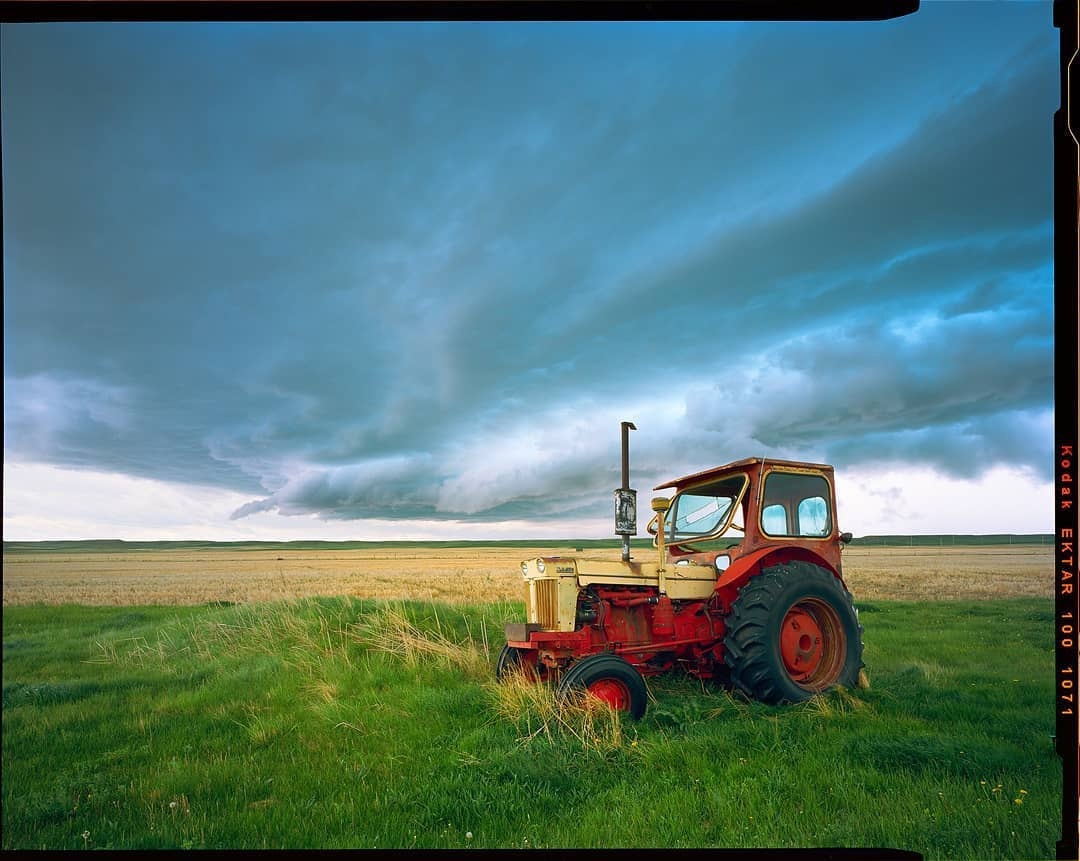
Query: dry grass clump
(838,701)
(389,629)
(536,711)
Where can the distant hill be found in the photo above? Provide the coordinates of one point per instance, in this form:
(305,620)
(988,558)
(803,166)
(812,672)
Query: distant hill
(950,540)
(117,546)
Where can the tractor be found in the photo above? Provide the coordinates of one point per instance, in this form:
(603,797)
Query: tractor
(746,589)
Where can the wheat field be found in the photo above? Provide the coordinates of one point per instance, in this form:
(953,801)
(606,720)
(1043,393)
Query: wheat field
(460,575)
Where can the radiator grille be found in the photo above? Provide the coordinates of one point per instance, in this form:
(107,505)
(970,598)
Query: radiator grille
(544,600)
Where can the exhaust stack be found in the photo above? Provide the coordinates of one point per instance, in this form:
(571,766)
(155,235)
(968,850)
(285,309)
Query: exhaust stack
(626,497)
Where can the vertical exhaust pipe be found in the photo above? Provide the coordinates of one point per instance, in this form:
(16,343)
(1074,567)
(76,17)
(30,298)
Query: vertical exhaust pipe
(626,497)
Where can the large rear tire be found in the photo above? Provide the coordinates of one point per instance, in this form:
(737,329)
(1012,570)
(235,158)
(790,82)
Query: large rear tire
(608,678)
(793,632)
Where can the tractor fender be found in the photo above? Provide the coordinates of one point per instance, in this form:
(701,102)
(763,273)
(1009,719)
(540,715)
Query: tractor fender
(745,567)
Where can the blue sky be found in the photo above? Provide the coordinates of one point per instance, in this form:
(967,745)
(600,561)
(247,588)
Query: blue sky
(393,280)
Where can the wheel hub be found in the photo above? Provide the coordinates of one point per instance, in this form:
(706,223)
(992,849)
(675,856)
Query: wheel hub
(612,692)
(800,643)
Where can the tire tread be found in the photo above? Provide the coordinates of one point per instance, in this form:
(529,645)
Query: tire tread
(749,651)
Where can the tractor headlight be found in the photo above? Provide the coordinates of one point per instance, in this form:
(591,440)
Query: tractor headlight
(524,569)
(722,562)
(540,565)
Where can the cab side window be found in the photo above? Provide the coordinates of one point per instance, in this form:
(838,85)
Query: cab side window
(774,520)
(814,517)
(796,504)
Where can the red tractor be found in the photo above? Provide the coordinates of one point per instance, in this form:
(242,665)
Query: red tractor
(747,589)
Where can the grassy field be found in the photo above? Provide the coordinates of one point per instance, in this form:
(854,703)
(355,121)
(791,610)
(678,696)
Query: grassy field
(71,573)
(350,723)
(363,720)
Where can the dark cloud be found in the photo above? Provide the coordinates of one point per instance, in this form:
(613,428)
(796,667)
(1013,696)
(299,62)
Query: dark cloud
(422,271)
(962,449)
(948,392)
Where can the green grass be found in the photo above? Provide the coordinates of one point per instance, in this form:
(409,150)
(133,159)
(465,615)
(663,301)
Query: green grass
(347,723)
(1044,539)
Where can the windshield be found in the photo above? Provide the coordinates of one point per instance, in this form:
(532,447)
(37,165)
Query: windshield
(704,511)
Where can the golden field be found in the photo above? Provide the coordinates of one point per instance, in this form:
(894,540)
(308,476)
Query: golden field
(461,575)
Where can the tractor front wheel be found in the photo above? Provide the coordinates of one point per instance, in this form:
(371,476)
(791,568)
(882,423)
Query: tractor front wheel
(515,660)
(793,632)
(509,659)
(610,679)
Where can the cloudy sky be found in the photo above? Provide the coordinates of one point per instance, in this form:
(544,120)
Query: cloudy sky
(404,280)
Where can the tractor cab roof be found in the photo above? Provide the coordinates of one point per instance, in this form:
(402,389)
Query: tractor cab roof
(738,466)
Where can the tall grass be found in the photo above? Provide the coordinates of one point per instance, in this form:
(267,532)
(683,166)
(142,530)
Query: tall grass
(344,723)
(389,629)
(537,713)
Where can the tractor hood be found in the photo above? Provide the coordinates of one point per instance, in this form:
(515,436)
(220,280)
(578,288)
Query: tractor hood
(684,580)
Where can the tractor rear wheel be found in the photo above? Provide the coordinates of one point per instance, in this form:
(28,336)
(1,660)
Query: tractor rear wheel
(793,632)
(608,678)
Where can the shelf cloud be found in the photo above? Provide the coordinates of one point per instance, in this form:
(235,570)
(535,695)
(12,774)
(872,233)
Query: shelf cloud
(420,272)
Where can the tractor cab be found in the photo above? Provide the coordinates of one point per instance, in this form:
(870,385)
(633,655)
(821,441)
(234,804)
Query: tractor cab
(723,514)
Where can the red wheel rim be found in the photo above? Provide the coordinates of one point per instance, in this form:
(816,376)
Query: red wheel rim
(612,692)
(812,644)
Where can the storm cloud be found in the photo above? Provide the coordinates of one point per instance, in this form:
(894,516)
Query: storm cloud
(422,271)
